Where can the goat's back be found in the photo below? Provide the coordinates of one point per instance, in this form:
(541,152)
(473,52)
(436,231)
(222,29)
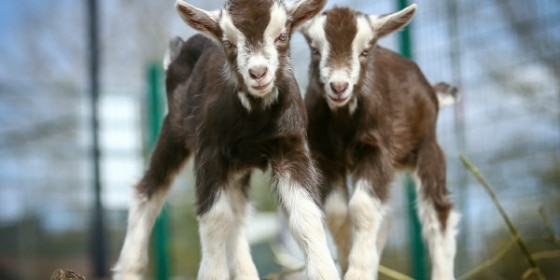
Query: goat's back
(409,102)
(405,83)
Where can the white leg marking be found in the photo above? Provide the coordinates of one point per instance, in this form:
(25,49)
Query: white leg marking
(336,210)
(367,213)
(442,245)
(215,227)
(385,228)
(134,254)
(305,219)
(241,264)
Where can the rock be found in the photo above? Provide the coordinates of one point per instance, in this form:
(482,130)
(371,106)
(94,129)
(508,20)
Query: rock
(63,274)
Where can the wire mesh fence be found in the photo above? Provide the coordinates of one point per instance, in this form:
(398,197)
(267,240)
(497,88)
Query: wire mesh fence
(503,55)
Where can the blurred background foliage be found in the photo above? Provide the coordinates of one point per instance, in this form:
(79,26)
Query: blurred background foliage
(503,55)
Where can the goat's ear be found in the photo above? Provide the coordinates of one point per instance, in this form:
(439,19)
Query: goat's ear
(386,24)
(201,20)
(304,10)
(304,28)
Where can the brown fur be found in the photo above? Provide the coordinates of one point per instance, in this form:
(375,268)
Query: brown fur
(340,30)
(229,132)
(393,127)
(384,122)
(206,117)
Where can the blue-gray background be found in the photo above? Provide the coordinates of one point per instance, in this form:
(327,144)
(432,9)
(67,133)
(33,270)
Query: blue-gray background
(504,55)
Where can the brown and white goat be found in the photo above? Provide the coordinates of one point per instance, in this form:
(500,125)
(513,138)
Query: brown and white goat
(234,103)
(372,112)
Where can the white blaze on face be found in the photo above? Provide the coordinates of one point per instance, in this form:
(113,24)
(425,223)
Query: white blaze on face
(315,30)
(257,64)
(360,44)
(339,80)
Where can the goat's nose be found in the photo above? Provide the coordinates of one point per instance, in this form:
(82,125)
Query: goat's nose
(258,72)
(339,87)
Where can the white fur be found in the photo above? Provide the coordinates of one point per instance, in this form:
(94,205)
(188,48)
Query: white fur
(384,231)
(367,26)
(441,244)
(241,264)
(264,55)
(244,55)
(339,76)
(268,100)
(256,60)
(361,42)
(338,220)
(367,213)
(214,229)
(336,207)
(244,100)
(134,254)
(222,238)
(315,30)
(277,24)
(230,32)
(348,74)
(378,21)
(352,105)
(167,59)
(305,219)
(445,99)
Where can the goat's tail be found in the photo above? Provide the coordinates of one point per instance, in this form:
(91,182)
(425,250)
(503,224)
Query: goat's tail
(173,51)
(446,94)
(181,58)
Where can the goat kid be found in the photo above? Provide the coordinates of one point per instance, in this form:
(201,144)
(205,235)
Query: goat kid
(371,113)
(233,101)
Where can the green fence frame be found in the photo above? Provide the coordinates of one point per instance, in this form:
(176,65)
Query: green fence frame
(155,110)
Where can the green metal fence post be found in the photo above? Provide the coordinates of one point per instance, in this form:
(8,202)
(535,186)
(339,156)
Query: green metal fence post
(417,250)
(155,120)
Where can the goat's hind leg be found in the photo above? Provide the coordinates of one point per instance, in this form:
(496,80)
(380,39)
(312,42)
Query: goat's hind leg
(434,209)
(149,194)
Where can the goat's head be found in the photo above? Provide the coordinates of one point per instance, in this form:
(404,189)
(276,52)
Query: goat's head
(341,42)
(255,36)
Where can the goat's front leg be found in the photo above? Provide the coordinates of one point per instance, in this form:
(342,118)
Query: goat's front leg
(367,210)
(336,210)
(221,213)
(241,265)
(215,226)
(296,180)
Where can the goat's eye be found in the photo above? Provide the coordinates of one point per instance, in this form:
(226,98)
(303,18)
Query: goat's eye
(282,37)
(364,53)
(227,44)
(315,51)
